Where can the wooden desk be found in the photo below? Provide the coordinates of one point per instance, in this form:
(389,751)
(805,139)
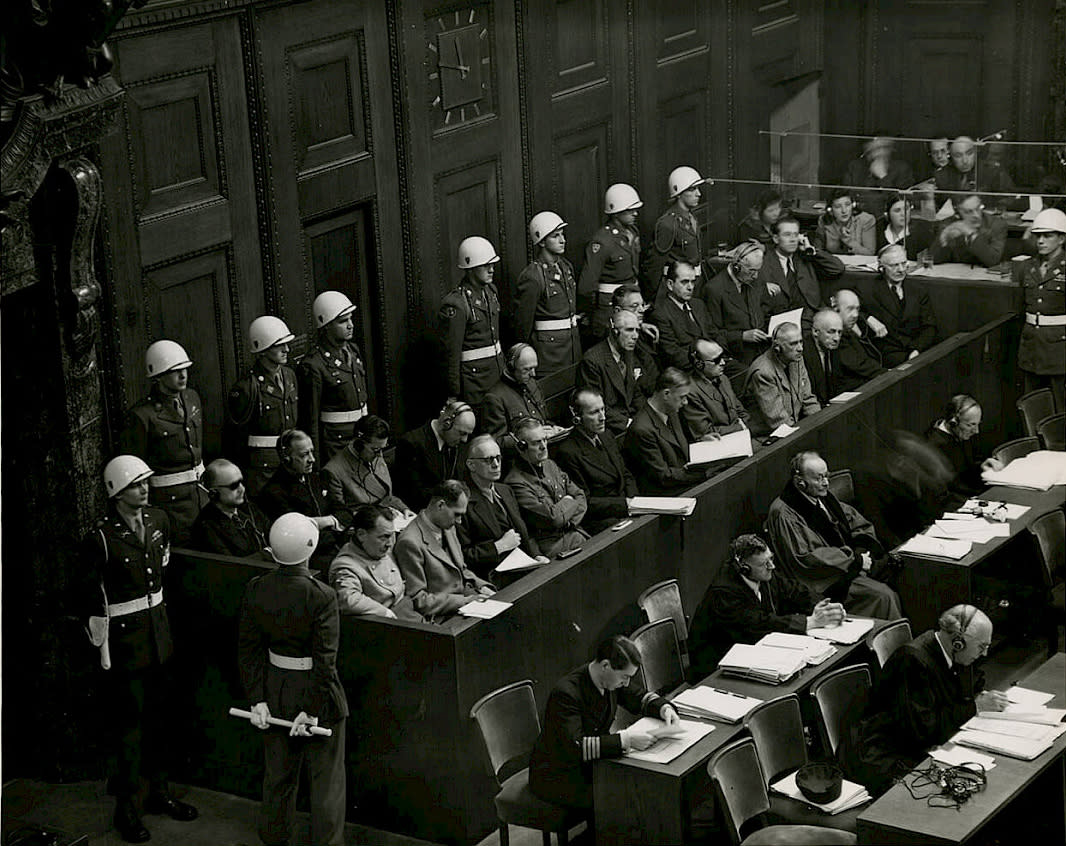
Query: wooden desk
(929,585)
(896,818)
(642,802)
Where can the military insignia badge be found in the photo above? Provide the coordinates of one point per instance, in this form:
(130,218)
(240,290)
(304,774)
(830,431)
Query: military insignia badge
(448,312)
(595,246)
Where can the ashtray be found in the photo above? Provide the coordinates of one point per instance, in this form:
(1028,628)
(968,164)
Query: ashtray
(820,782)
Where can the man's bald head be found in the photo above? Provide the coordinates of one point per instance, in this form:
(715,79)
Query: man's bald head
(962,153)
(968,632)
(827,328)
(847,303)
(221,471)
(708,349)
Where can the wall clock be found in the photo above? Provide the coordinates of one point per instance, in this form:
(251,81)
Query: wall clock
(459,65)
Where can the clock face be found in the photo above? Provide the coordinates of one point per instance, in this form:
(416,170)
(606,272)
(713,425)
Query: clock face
(459,66)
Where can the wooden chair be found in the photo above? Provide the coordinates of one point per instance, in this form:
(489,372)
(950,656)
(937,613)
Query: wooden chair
(509,726)
(663,601)
(660,655)
(741,790)
(1049,532)
(1052,431)
(1018,448)
(835,695)
(1034,407)
(842,486)
(886,641)
(776,726)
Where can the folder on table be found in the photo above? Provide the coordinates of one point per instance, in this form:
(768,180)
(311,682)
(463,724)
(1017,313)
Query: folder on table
(937,547)
(682,506)
(709,703)
(733,445)
(769,664)
(851,630)
(814,649)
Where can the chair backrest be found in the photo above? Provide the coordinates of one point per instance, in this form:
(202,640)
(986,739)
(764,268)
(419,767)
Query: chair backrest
(886,641)
(1018,448)
(1050,533)
(509,726)
(842,486)
(835,695)
(663,600)
(776,726)
(1052,431)
(661,668)
(739,783)
(1034,407)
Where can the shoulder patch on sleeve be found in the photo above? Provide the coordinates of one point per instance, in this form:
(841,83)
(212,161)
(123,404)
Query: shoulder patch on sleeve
(448,312)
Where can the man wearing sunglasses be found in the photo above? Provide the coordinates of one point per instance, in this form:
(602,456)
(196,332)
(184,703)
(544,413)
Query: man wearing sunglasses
(713,409)
(230,523)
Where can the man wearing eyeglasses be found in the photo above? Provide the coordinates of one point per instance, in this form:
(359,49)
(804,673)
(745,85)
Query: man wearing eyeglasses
(974,237)
(230,523)
(713,409)
(921,698)
(493,525)
(358,474)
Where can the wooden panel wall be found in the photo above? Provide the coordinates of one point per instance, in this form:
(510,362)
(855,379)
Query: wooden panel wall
(181,208)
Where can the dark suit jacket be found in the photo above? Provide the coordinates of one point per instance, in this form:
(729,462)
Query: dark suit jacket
(919,236)
(731,613)
(677,332)
(601,473)
(712,408)
(733,312)
(624,395)
(420,465)
(507,402)
(657,452)
(911,324)
(985,249)
(813,277)
(824,385)
(483,525)
(860,359)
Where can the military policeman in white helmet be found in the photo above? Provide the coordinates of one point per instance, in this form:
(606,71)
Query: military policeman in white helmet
(126,557)
(677,233)
(166,430)
(263,404)
(287,653)
(332,377)
(1042,349)
(544,306)
(469,320)
(612,257)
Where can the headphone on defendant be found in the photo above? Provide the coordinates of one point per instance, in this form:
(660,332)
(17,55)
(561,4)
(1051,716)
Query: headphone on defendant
(517,426)
(745,249)
(957,406)
(457,407)
(696,360)
(513,353)
(958,641)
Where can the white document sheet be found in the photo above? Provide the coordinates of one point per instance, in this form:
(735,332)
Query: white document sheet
(850,631)
(937,547)
(516,560)
(793,316)
(665,749)
(733,445)
(484,609)
(678,505)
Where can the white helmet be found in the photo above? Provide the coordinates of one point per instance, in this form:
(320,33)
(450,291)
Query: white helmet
(621,198)
(544,224)
(293,538)
(164,356)
(268,331)
(329,305)
(682,178)
(1050,220)
(476,251)
(122,471)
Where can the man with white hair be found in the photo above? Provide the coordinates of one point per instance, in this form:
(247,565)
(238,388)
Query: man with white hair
(920,699)
(822,356)
(613,369)
(898,309)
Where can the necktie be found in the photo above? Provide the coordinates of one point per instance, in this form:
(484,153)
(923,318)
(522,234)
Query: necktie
(899,290)
(827,362)
(178,407)
(688,313)
(138,527)
(622,367)
(596,442)
(790,276)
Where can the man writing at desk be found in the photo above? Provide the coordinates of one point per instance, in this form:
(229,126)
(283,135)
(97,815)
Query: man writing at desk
(920,700)
(577,723)
(746,601)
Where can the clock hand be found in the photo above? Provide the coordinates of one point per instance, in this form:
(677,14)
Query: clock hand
(459,58)
(461,68)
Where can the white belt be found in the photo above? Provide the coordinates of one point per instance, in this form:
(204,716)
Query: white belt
(1045,319)
(609,287)
(481,352)
(285,662)
(342,416)
(167,480)
(141,603)
(262,441)
(559,325)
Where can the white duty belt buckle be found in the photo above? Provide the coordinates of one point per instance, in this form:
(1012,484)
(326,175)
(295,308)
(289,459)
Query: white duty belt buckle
(141,603)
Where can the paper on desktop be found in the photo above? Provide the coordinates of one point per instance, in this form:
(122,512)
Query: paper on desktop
(793,316)
(1038,470)
(733,445)
(783,431)
(978,531)
(665,749)
(1012,747)
(956,756)
(709,703)
(516,560)
(1027,696)
(937,547)
(679,505)
(814,650)
(1013,511)
(844,396)
(1014,728)
(850,631)
(484,609)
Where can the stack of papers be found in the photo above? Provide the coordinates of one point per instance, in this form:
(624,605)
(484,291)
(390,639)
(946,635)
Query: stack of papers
(682,506)
(975,531)
(844,396)
(670,743)
(1028,706)
(850,631)
(484,609)
(769,664)
(711,703)
(851,795)
(516,561)
(937,547)
(1013,738)
(1037,471)
(959,756)
(814,650)
(733,445)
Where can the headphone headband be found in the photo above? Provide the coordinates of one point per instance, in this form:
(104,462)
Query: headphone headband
(458,407)
(746,249)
